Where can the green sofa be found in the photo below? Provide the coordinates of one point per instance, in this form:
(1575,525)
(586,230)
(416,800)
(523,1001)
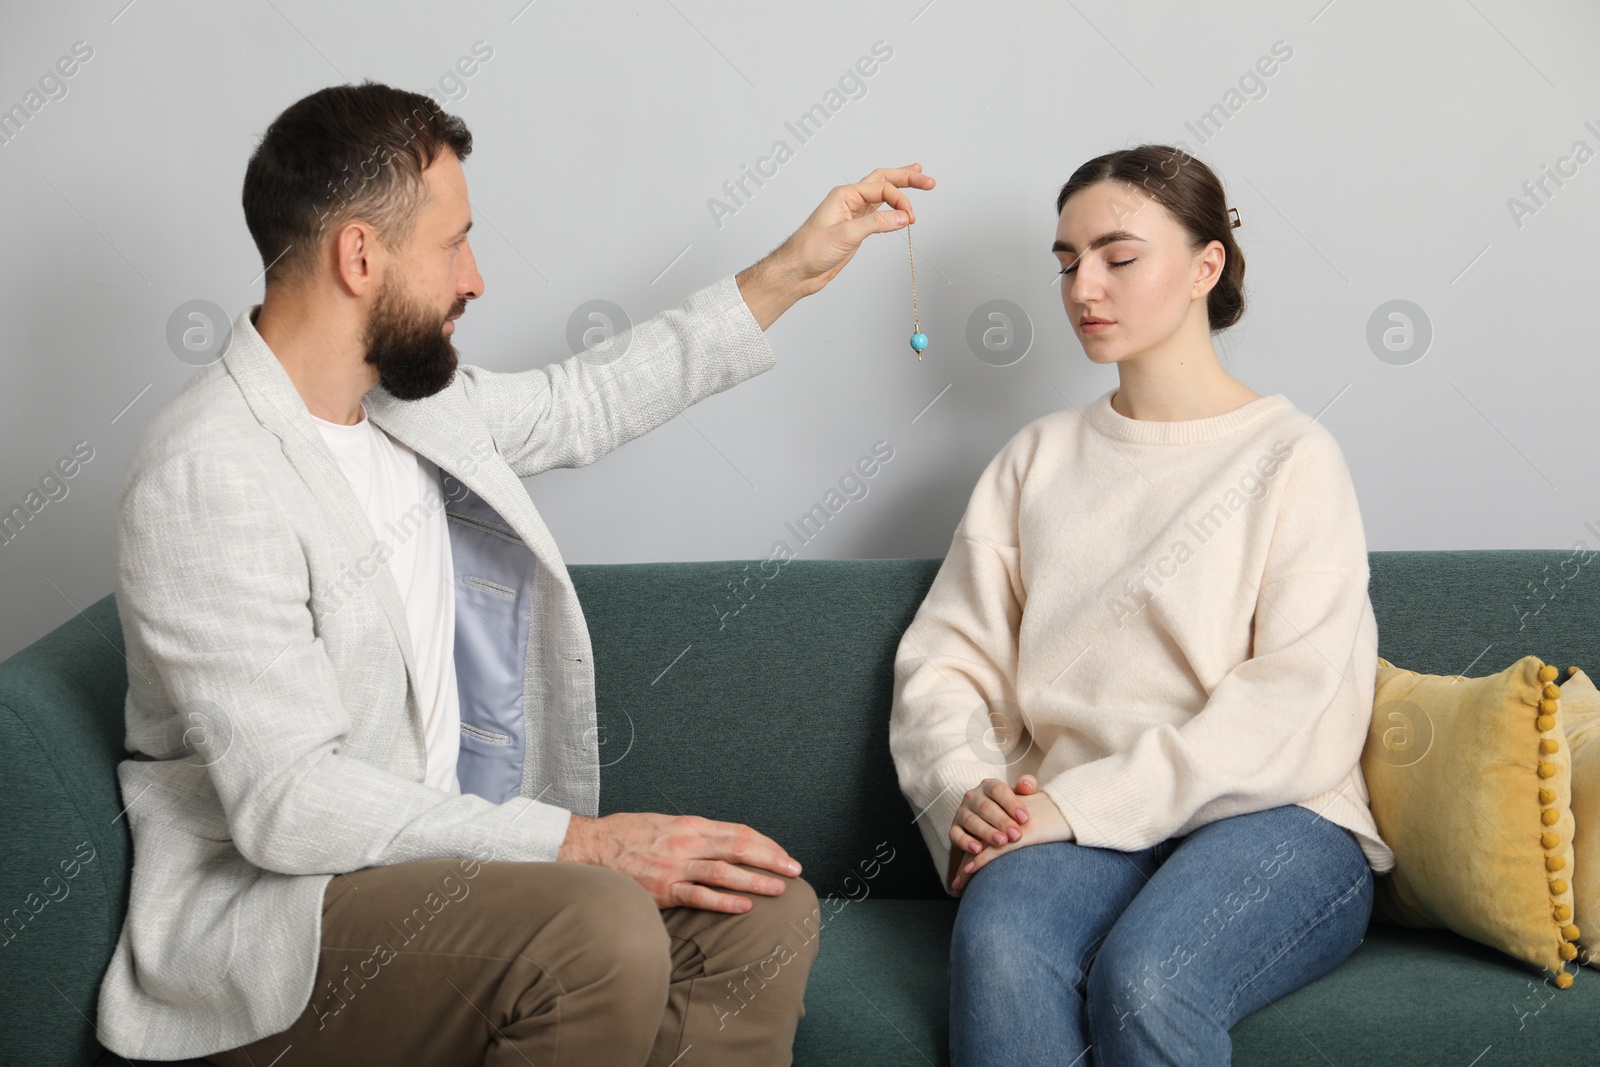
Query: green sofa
(765,700)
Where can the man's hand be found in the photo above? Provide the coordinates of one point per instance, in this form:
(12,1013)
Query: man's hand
(678,857)
(820,248)
(993,799)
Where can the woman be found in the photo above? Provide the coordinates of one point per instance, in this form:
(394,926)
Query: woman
(1131,708)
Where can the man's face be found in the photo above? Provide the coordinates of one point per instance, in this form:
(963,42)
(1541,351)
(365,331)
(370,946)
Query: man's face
(426,284)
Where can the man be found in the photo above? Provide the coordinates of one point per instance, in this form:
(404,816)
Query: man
(361,711)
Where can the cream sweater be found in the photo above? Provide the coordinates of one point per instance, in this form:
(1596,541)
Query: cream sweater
(1166,622)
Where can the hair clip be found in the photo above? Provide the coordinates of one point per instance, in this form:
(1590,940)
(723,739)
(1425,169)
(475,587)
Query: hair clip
(1234,221)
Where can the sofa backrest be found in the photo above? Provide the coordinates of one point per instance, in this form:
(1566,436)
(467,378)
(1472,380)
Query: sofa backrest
(733,690)
(764,702)
(777,716)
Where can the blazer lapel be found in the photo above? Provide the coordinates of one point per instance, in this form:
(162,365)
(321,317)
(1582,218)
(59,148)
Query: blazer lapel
(441,428)
(278,405)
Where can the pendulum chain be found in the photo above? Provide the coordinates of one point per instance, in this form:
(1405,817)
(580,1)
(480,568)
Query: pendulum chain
(919,340)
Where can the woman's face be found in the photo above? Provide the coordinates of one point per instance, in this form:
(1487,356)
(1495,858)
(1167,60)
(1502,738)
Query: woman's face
(1127,261)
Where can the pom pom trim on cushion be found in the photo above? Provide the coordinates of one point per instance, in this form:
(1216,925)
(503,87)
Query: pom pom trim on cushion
(1560,912)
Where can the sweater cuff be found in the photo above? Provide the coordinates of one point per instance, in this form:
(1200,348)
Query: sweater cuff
(1103,805)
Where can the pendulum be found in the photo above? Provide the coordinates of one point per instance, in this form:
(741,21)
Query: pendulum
(919,340)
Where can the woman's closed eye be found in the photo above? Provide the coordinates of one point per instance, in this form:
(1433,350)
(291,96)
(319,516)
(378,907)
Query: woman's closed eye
(1114,263)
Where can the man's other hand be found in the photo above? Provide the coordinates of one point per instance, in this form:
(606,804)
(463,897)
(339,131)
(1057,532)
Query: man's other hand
(679,858)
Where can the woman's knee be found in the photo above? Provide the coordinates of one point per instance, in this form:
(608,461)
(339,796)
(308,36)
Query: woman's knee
(1165,957)
(1008,954)
(999,945)
(1135,977)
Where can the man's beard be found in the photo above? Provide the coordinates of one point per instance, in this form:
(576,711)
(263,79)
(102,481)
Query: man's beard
(407,343)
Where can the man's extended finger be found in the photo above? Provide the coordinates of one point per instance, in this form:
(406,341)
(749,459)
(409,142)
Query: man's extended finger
(732,876)
(738,843)
(908,175)
(691,895)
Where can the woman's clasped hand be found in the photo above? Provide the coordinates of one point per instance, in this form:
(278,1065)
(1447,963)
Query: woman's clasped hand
(992,820)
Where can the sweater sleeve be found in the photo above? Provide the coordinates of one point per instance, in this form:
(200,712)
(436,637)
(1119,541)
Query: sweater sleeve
(954,720)
(1283,726)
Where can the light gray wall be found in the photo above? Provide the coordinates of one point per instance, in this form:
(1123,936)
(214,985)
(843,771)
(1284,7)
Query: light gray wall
(1380,162)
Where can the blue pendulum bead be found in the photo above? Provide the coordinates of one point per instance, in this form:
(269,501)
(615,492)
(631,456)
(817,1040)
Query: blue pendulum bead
(919,341)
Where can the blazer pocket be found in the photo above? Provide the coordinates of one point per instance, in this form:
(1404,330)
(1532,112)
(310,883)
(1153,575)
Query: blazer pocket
(486,736)
(491,587)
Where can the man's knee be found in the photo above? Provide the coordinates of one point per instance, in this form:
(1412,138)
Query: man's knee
(778,932)
(620,928)
(796,905)
(778,939)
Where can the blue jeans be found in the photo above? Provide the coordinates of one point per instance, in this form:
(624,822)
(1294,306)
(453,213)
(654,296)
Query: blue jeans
(1062,952)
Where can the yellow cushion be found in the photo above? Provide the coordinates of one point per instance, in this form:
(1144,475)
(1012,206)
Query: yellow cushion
(1580,707)
(1470,784)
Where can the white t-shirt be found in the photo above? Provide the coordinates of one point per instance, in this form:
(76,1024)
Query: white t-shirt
(401,493)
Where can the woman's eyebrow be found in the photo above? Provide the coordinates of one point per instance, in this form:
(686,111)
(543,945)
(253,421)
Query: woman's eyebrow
(1099,242)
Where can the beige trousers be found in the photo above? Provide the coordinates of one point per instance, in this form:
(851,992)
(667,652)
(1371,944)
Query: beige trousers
(463,962)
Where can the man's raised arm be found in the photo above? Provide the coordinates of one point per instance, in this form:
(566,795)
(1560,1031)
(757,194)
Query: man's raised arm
(570,413)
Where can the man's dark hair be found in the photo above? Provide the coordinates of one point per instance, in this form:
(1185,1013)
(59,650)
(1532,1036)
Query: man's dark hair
(344,152)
